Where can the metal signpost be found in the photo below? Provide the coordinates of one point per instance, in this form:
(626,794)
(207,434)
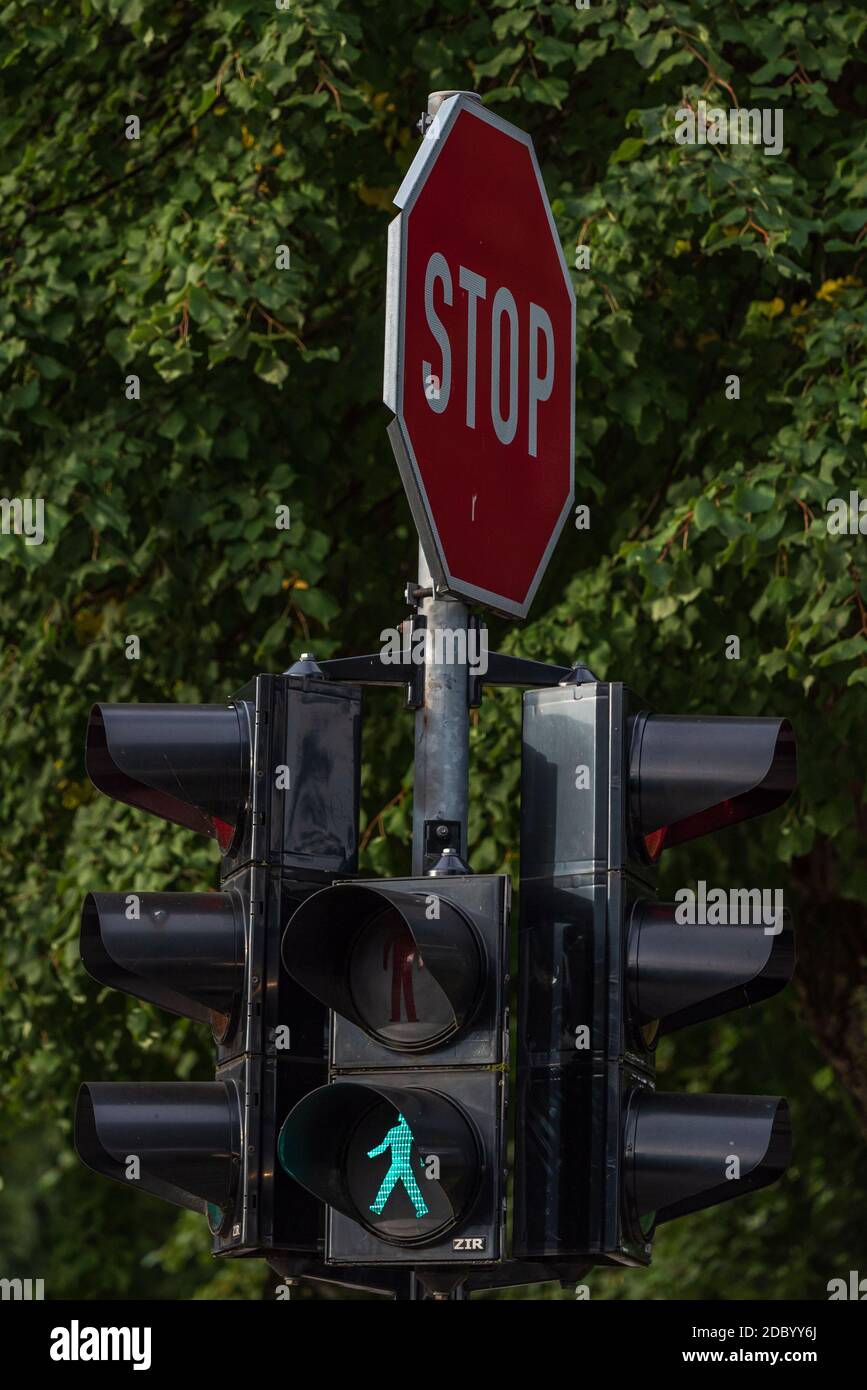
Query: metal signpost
(479,371)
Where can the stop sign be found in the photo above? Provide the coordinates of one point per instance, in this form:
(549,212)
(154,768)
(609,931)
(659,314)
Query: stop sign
(480,357)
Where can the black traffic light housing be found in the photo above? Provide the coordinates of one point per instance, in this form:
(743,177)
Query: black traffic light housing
(415,973)
(604,969)
(273,776)
(674,1142)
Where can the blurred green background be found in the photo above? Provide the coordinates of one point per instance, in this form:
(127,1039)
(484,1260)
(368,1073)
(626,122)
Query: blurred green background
(259,387)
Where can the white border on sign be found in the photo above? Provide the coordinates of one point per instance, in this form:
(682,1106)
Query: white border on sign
(395,322)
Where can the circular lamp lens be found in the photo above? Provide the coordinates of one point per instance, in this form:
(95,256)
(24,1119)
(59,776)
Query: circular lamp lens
(401,1193)
(397,997)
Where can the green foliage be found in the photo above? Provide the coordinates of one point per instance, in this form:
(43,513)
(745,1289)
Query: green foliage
(265,128)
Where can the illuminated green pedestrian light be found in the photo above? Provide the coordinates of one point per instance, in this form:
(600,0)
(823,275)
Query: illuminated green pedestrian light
(399,1140)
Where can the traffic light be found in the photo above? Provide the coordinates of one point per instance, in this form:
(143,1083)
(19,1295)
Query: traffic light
(405,1143)
(272,775)
(605,969)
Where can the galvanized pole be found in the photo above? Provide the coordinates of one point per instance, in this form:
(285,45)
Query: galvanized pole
(442,723)
(441,730)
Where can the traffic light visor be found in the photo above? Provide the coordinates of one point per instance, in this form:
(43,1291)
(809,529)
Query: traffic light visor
(405,967)
(184,763)
(687,1152)
(181,951)
(691,776)
(179,1140)
(683,974)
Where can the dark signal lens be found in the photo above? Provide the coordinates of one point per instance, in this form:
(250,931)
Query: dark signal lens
(407,967)
(398,999)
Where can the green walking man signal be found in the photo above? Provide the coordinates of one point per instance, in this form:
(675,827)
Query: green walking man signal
(399,1140)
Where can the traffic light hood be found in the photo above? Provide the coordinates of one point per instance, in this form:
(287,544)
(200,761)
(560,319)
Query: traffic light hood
(691,775)
(335,940)
(683,974)
(179,1140)
(184,763)
(687,1152)
(181,951)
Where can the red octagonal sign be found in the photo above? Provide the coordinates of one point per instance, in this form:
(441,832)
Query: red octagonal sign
(480,358)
